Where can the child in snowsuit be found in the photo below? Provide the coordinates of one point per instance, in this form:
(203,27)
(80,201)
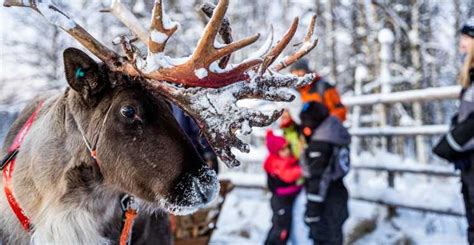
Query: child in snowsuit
(458,145)
(283,173)
(325,162)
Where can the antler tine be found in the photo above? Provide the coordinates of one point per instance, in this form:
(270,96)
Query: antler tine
(310,42)
(228,49)
(206,52)
(119,10)
(225,30)
(161,29)
(60,19)
(206,42)
(276,51)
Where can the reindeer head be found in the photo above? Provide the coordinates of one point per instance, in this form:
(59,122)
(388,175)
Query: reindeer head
(139,146)
(128,93)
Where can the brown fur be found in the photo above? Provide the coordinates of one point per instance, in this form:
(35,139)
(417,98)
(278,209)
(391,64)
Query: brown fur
(151,159)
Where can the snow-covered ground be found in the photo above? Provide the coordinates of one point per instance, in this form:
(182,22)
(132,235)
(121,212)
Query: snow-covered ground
(246,213)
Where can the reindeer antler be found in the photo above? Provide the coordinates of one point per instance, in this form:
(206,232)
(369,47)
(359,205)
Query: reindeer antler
(206,91)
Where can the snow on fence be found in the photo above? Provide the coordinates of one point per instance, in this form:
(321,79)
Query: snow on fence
(418,95)
(393,199)
(400,131)
(389,197)
(379,102)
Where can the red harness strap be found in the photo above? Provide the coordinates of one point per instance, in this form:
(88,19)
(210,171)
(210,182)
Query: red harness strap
(130,208)
(10,165)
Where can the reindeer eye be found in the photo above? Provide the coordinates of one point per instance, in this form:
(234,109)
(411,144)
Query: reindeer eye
(128,111)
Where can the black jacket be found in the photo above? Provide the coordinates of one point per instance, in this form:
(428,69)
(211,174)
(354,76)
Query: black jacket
(458,143)
(326,150)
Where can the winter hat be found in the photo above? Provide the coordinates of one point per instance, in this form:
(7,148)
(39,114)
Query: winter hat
(468,28)
(312,115)
(301,64)
(275,143)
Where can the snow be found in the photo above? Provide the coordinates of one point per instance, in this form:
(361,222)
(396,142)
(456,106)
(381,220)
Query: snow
(361,73)
(156,61)
(201,73)
(139,6)
(246,220)
(402,130)
(248,214)
(215,68)
(427,94)
(55,17)
(167,22)
(241,179)
(158,37)
(219,110)
(218,44)
(246,129)
(386,36)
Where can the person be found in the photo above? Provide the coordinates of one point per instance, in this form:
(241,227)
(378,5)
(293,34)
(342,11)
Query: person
(291,132)
(325,162)
(457,146)
(320,91)
(193,132)
(283,177)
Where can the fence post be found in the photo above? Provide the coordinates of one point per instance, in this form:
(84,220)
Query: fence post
(386,39)
(360,76)
(391,184)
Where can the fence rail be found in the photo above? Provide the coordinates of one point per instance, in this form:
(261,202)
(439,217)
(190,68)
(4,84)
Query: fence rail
(257,181)
(428,94)
(392,206)
(400,131)
(391,174)
(422,170)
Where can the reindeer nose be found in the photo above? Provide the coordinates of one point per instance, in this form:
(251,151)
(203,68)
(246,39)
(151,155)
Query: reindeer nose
(200,191)
(206,185)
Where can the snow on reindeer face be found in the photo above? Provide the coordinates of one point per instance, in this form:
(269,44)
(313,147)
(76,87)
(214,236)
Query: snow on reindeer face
(141,149)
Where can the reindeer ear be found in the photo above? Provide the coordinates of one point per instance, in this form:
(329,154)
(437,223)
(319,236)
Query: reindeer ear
(82,73)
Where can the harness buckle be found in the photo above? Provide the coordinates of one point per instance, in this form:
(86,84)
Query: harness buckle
(128,203)
(8,158)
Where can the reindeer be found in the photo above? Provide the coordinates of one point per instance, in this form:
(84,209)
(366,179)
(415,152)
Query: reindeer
(81,161)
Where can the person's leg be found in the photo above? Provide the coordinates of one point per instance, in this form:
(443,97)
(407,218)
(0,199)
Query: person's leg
(300,231)
(333,215)
(312,218)
(281,220)
(467,180)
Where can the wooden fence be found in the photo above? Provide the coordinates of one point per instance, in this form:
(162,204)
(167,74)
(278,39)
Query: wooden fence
(257,181)
(391,183)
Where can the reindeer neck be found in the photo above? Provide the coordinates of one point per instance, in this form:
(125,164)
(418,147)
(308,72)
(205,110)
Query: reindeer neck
(56,183)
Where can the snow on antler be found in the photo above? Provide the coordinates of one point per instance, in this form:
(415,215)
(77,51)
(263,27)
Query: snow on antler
(218,115)
(203,84)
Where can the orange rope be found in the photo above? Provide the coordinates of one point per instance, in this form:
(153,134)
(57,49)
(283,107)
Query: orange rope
(173,223)
(130,215)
